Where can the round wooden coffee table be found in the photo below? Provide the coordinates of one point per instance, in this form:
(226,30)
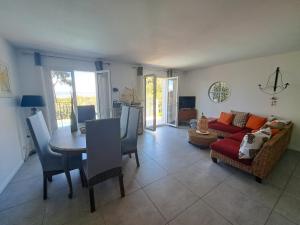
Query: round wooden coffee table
(202,140)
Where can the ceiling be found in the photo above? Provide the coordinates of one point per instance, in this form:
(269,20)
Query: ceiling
(181,34)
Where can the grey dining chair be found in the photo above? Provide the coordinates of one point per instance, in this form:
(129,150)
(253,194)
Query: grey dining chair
(124,120)
(104,156)
(52,162)
(129,143)
(86,112)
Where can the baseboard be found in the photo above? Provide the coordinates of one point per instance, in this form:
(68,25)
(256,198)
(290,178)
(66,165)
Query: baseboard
(293,148)
(6,181)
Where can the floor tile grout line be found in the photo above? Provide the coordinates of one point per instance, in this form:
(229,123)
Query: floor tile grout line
(102,216)
(192,190)
(236,190)
(216,211)
(44,216)
(170,173)
(254,199)
(142,186)
(24,179)
(155,206)
(201,198)
(181,211)
(288,219)
(282,192)
(17,205)
(185,209)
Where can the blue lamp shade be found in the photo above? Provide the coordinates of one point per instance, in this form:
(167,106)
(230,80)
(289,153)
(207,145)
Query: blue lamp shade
(32,101)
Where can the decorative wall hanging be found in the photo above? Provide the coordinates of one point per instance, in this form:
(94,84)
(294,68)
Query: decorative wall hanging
(5,90)
(218,92)
(274,86)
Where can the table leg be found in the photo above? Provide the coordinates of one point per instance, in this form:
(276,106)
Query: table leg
(67,172)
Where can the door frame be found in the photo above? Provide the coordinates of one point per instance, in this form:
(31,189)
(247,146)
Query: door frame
(154,103)
(176,103)
(109,91)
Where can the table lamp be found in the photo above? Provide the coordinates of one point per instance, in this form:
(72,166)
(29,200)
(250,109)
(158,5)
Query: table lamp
(32,101)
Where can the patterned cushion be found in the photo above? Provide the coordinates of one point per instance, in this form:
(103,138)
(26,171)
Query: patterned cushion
(240,118)
(252,143)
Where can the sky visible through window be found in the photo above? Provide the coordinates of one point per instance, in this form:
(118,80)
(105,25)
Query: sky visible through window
(85,83)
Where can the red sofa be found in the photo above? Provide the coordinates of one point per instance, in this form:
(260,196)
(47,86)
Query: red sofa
(224,130)
(227,149)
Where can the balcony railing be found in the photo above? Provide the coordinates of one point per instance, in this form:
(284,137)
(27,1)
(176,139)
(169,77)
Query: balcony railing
(63,110)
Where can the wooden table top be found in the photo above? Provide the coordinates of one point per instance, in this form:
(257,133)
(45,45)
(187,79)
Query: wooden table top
(64,141)
(211,135)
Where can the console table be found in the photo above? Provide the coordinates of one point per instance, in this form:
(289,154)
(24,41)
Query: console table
(186,114)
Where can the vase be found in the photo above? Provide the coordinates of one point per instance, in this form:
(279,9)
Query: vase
(202,125)
(73,118)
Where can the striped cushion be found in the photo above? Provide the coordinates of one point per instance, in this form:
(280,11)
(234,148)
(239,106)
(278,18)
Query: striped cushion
(240,118)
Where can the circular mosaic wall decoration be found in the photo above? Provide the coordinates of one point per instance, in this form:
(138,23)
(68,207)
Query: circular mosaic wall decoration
(219,92)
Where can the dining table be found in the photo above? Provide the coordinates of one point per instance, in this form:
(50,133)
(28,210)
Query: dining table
(68,144)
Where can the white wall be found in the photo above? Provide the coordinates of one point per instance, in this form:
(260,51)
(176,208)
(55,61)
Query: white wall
(121,74)
(243,78)
(10,142)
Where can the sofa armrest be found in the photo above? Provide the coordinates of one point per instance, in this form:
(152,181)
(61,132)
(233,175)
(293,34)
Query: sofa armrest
(271,152)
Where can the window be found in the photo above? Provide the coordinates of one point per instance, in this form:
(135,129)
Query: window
(85,87)
(79,85)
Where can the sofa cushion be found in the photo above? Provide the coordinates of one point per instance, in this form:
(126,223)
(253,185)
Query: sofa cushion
(229,148)
(255,122)
(223,127)
(252,143)
(238,136)
(225,118)
(240,118)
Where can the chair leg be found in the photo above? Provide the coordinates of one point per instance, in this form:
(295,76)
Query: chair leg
(121,183)
(137,159)
(92,199)
(49,178)
(45,185)
(82,178)
(67,172)
(129,155)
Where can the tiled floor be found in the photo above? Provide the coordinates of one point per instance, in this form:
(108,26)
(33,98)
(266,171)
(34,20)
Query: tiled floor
(176,183)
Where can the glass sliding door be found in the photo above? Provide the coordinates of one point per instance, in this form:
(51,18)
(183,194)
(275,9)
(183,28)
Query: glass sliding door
(62,83)
(150,102)
(172,99)
(104,93)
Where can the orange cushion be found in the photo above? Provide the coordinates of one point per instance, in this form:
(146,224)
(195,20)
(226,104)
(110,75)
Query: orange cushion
(255,122)
(225,118)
